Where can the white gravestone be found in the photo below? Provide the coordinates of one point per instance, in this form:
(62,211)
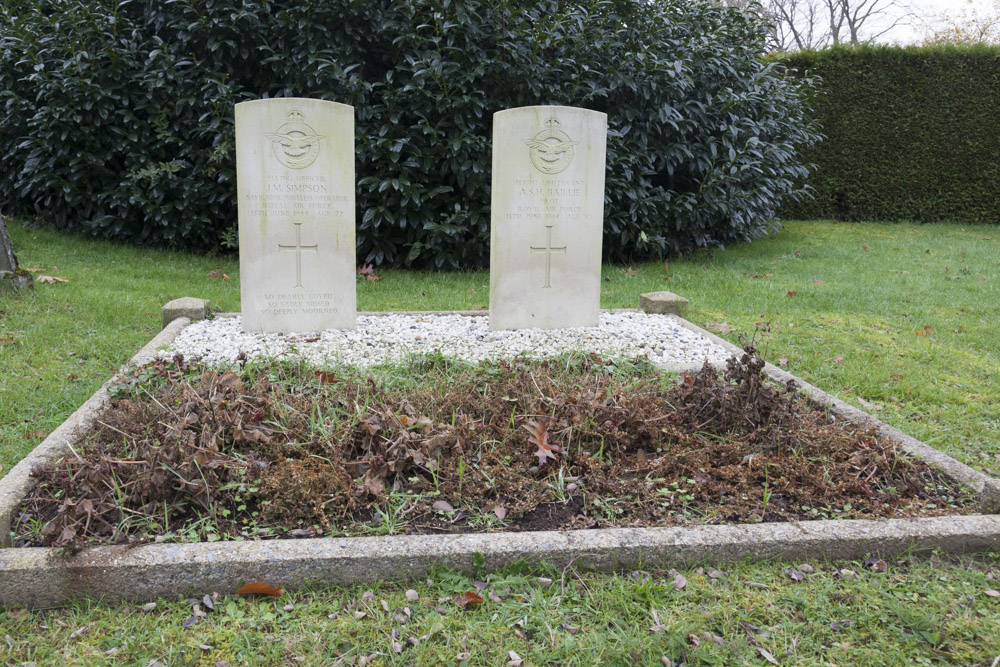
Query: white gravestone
(547,217)
(295,184)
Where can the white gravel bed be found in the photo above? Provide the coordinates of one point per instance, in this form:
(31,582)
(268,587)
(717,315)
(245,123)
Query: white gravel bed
(396,336)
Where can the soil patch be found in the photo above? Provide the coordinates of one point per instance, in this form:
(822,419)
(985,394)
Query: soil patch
(275,450)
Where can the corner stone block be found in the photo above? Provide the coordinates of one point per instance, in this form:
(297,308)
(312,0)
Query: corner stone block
(663,303)
(190,307)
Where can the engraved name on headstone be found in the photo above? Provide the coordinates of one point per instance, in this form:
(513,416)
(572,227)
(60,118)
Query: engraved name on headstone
(295,184)
(547,217)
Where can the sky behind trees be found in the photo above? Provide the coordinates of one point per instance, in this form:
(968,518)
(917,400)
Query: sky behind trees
(927,11)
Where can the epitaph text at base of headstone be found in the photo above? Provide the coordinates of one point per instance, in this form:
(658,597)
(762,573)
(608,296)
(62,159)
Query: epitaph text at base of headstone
(295,184)
(547,217)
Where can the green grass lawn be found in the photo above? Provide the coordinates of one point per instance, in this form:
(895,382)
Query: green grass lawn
(901,317)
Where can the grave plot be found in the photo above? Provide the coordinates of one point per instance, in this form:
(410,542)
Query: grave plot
(189,475)
(271,449)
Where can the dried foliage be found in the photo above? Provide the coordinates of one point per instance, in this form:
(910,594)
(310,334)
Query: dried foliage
(187,453)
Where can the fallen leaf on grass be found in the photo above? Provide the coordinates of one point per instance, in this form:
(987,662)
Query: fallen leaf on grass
(795,575)
(793,293)
(326,378)
(838,626)
(515,659)
(500,511)
(992,593)
(189,621)
(260,588)
(817,282)
(720,327)
(412,595)
(540,438)
(468,598)
(368,271)
(442,506)
(865,248)
(630,272)
(925,332)
(876,564)
(464,655)
(869,406)
(764,653)
(29,270)
(680,581)
(218,274)
(51,279)
(782,362)
(839,359)
(77,633)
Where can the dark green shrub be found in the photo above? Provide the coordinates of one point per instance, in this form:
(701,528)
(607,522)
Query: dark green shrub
(118,115)
(911,134)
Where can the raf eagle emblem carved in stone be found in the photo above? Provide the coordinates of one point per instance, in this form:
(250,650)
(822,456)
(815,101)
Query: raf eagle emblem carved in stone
(295,144)
(551,150)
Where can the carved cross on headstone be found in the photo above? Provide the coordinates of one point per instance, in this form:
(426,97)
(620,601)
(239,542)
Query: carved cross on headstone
(548,250)
(298,248)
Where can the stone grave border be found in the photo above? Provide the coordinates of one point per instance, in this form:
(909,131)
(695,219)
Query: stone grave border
(39,577)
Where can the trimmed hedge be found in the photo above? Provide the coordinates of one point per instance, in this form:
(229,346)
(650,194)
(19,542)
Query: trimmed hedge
(911,134)
(118,116)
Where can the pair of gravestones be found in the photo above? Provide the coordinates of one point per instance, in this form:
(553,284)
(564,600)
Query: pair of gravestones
(295,183)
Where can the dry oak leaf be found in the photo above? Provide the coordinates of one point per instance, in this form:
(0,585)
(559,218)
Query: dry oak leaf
(468,598)
(326,378)
(218,274)
(51,279)
(540,438)
(793,293)
(259,588)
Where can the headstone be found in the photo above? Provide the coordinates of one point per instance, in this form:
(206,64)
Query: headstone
(9,275)
(295,184)
(547,217)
